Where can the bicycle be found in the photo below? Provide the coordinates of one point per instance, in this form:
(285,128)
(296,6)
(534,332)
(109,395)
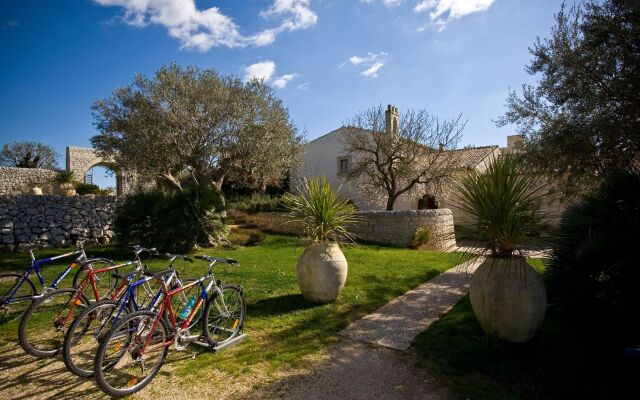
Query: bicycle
(82,338)
(17,291)
(41,330)
(133,351)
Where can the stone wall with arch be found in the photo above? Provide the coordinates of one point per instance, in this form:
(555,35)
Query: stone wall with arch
(79,161)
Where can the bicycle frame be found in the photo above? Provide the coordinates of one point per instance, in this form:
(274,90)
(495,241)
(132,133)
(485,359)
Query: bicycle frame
(166,305)
(90,279)
(126,293)
(35,265)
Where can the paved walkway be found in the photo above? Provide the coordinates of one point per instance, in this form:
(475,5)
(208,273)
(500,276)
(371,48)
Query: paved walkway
(397,323)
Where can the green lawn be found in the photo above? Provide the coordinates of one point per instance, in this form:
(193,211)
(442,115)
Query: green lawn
(566,359)
(285,331)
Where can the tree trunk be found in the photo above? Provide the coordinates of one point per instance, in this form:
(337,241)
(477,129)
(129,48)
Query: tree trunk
(390,202)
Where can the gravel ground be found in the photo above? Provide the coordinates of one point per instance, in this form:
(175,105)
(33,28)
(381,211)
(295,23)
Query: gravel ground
(358,370)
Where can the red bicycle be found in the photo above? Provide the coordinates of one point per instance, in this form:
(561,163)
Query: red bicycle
(133,351)
(42,327)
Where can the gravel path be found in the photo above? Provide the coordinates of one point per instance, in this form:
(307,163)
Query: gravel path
(397,323)
(355,371)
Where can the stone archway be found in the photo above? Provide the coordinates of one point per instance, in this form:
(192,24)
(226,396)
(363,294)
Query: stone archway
(81,159)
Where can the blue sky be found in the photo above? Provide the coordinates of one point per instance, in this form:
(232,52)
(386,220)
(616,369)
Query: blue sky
(327,59)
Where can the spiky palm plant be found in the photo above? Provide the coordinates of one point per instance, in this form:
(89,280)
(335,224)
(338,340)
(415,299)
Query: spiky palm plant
(594,260)
(504,202)
(323,215)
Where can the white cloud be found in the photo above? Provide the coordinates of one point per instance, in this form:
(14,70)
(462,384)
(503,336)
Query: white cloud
(299,13)
(261,70)
(202,29)
(443,11)
(282,81)
(371,63)
(265,70)
(373,70)
(388,3)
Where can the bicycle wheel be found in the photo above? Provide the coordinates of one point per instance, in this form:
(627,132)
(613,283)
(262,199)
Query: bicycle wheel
(223,315)
(105,281)
(41,331)
(12,307)
(131,354)
(81,340)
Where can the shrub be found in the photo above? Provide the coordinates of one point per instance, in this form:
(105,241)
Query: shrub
(323,215)
(257,203)
(89,188)
(594,264)
(420,238)
(246,237)
(64,177)
(173,221)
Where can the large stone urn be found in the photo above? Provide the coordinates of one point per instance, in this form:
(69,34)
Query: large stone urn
(508,298)
(64,189)
(322,272)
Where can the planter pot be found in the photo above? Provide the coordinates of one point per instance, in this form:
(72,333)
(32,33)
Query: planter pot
(64,189)
(322,272)
(36,191)
(508,298)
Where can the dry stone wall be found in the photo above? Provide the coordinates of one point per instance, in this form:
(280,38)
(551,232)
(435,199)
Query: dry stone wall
(387,227)
(54,220)
(21,180)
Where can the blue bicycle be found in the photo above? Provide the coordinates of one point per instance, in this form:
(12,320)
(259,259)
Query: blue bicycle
(17,290)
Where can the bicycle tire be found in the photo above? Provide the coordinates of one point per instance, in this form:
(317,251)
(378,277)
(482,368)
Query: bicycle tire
(221,334)
(71,359)
(51,344)
(16,308)
(99,371)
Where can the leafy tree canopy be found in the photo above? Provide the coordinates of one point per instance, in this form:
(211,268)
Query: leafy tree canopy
(194,123)
(28,155)
(582,118)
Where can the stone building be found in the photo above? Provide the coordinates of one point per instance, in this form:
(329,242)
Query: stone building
(326,156)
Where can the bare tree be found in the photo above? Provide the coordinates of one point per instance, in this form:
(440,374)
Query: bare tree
(394,154)
(28,155)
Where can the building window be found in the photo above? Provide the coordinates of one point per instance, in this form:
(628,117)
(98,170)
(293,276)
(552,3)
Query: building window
(344,165)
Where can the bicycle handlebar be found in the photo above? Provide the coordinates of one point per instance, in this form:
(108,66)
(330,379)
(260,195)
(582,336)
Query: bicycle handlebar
(212,260)
(178,256)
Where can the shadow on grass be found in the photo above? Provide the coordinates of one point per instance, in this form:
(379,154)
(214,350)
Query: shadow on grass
(274,306)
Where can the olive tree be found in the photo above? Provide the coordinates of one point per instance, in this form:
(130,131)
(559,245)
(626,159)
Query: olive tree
(392,156)
(194,123)
(582,117)
(28,155)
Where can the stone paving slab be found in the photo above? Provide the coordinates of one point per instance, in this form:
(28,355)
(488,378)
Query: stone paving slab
(397,323)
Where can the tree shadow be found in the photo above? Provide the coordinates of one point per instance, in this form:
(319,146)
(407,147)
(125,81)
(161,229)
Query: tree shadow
(279,305)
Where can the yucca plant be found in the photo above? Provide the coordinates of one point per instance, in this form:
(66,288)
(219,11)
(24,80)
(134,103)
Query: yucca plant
(504,202)
(323,215)
(63,177)
(507,294)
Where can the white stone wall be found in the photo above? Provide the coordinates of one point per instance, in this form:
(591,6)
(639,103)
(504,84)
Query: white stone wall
(54,220)
(21,180)
(387,227)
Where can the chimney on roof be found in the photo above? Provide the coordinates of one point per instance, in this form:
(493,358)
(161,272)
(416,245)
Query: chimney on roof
(391,120)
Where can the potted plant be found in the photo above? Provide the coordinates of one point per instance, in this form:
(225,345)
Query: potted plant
(507,294)
(64,184)
(322,267)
